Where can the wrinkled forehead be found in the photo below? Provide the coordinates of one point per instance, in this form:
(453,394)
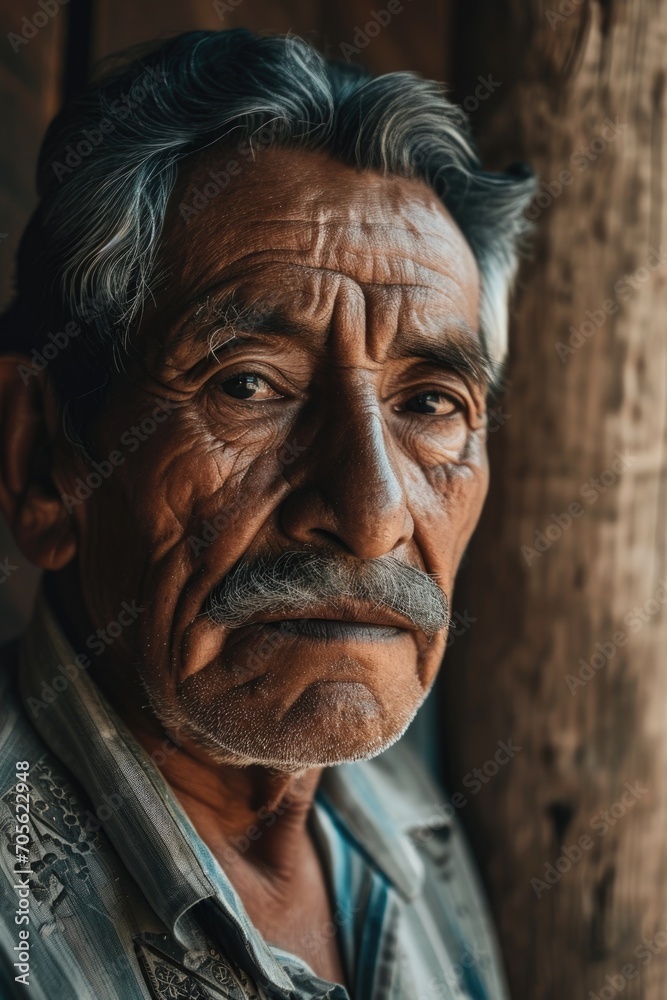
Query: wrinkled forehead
(304,218)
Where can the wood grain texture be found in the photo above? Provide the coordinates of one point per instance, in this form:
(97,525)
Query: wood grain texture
(567,418)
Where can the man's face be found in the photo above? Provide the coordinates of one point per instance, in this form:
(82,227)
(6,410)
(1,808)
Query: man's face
(314,340)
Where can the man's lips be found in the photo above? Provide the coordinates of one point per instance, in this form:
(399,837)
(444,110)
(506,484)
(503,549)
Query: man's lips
(334,628)
(351,621)
(350,618)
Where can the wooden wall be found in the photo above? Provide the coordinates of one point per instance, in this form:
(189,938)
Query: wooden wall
(567,576)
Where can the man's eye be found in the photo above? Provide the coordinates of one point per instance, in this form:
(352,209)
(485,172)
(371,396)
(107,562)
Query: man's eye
(248,386)
(432,403)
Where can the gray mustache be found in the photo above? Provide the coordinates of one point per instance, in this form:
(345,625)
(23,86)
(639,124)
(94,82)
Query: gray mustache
(296,581)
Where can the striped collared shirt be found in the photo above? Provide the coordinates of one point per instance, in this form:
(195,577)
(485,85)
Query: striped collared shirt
(124,900)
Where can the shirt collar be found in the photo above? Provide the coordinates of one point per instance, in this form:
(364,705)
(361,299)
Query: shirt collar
(385,802)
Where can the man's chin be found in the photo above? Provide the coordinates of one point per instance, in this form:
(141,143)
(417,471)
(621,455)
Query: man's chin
(329,723)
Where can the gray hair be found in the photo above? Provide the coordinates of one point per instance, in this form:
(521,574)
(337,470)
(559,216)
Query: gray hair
(109,163)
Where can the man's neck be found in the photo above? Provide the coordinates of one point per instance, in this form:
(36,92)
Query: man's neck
(251,816)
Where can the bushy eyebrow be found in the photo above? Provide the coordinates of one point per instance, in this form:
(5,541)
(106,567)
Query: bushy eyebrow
(460,350)
(228,315)
(218,320)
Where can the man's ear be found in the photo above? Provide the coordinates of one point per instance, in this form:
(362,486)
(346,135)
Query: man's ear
(29,496)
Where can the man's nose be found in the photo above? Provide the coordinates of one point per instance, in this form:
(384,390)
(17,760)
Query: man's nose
(353,492)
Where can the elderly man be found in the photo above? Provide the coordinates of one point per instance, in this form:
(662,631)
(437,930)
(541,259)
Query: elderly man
(259,310)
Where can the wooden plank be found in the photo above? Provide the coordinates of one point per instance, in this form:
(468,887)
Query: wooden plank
(567,654)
